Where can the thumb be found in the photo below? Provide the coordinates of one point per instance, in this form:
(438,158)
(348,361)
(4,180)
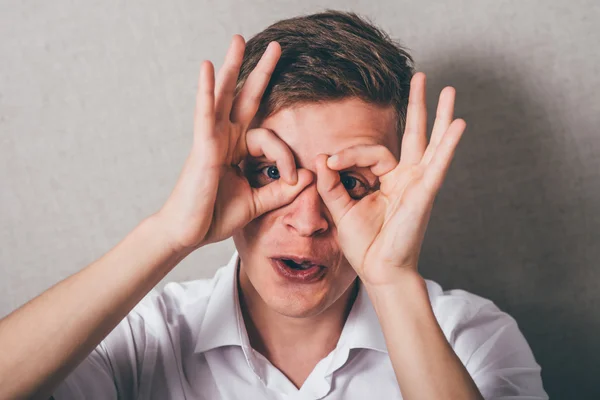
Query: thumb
(332,190)
(279,193)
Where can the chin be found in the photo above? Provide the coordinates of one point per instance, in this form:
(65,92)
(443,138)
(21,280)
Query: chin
(292,299)
(295,304)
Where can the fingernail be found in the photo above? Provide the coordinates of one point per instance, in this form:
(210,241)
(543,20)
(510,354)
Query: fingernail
(332,160)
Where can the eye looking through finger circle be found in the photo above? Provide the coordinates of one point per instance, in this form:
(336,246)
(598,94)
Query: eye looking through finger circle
(357,186)
(264,174)
(264,143)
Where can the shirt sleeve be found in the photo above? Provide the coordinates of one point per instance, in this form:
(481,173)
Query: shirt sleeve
(92,379)
(492,348)
(112,370)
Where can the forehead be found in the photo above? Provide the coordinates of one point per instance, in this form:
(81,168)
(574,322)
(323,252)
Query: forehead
(328,127)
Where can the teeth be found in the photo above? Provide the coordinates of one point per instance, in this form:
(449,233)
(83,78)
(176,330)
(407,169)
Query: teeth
(306,264)
(295,265)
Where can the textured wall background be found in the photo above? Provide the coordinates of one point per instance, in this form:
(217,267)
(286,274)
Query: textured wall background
(96,102)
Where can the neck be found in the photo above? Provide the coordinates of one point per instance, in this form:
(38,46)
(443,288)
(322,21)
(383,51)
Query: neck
(276,336)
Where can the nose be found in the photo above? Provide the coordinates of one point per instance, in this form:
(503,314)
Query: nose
(307,215)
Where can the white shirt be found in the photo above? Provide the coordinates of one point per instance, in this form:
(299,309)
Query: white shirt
(190,342)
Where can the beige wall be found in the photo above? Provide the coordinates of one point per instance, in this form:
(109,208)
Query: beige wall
(96,103)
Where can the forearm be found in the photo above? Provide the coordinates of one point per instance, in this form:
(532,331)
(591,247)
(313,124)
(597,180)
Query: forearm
(425,364)
(41,342)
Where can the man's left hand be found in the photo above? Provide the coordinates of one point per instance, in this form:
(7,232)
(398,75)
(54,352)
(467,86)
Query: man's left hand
(381,234)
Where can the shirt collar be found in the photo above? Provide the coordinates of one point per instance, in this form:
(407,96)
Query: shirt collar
(223,324)
(362,329)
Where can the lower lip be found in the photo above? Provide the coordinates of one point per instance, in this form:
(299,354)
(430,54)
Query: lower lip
(309,275)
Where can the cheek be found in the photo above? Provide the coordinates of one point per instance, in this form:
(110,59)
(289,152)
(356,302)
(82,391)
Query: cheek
(256,232)
(346,274)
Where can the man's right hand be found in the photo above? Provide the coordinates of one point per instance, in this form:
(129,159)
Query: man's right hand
(212,198)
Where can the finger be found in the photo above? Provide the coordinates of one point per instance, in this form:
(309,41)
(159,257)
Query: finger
(278,193)
(264,142)
(227,78)
(379,159)
(204,115)
(438,167)
(443,118)
(247,102)
(332,191)
(414,139)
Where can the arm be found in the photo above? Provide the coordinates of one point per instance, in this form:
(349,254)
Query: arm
(71,318)
(381,236)
(44,340)
(425,364)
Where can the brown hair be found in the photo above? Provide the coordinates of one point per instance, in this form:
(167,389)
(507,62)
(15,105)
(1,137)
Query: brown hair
(330,56)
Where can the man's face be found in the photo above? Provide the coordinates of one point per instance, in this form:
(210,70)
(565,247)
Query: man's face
(304,228)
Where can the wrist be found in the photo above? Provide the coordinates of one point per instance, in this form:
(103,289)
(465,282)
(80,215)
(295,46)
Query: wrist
(408,289)
(156,224)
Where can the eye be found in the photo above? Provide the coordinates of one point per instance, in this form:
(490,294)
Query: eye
(271,171)
(261,175)
(349,182)
(355,187)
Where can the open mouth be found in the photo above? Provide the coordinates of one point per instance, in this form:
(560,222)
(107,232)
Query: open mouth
(299,270)
(299,266)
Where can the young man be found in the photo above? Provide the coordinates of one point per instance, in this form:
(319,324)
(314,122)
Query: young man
(296,154)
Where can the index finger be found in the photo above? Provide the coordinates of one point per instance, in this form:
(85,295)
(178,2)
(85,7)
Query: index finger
(378,158)
(332,190)
(262,141)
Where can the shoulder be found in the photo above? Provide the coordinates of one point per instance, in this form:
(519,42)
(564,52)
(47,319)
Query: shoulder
(176,304)
(455,308)
(489,343)
(472,323)
(163,324)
